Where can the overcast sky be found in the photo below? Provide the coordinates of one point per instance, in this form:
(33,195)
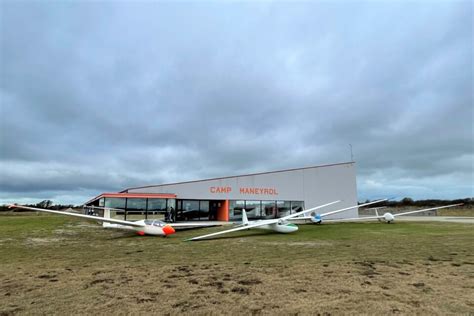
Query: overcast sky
(100,96)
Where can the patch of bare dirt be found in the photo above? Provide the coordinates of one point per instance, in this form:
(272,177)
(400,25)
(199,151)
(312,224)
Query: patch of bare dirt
(316,243)
(42,240)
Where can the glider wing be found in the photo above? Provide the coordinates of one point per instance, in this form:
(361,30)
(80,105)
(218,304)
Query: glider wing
(341,210)
(95,218)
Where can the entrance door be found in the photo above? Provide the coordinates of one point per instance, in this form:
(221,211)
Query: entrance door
(213,208)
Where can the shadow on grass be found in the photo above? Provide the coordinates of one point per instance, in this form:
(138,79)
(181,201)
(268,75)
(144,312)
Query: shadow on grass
(252,234)
(129,236)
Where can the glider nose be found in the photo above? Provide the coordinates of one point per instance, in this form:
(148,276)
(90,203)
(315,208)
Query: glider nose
(168,230)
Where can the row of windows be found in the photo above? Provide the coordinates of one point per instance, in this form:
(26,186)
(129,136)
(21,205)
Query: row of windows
(136,209)
(137,204)
(263,209)
(187,210)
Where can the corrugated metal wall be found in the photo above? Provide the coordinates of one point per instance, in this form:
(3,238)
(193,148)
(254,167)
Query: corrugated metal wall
(313,185)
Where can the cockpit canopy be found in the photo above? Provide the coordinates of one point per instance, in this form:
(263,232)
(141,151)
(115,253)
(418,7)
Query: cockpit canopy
(155,222)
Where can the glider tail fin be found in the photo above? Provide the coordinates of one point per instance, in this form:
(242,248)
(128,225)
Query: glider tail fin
(245,220)
(377,213)
(106,215)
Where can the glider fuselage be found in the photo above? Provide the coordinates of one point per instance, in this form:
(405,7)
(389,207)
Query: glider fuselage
(152,228)
(284,228)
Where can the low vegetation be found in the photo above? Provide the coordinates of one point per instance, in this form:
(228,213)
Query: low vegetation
(57,265)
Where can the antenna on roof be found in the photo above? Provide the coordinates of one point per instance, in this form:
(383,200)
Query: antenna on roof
(352,157)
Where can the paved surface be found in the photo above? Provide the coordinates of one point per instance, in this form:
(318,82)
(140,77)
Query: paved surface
(452,219)
(203,223)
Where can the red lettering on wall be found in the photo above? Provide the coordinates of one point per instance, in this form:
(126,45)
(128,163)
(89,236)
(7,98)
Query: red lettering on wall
(220,189)
(258,191)
(244,190)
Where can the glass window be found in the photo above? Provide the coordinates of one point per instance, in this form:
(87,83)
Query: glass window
(158,223)
(204,210)
(136,204)
(253,209)
(136,209)
(157,205)
(170,215)
(283,208)
(171,204)
(296,206)
(179,210)
(157,209)
(115,202)
(189,210)
(268,209)
(235,210)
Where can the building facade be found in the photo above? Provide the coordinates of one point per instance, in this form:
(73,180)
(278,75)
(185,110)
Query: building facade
(263,195)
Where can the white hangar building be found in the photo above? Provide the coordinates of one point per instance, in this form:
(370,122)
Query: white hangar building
(263,195)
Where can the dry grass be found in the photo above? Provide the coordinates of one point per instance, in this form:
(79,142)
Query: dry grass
(56,265)
(467,212)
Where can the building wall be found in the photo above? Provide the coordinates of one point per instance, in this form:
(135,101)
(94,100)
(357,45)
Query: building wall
(313,185)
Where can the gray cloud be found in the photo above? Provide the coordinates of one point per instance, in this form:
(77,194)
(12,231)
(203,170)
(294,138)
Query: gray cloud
(97,97)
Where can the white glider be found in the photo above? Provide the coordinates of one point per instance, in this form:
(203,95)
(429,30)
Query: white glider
(280,225)
(141,227)
(317,218)
(388,217)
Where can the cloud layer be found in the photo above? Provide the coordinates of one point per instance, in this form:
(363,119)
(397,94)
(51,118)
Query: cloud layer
(100,96)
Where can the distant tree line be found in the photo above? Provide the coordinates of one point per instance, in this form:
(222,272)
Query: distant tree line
(405,202)
(43,204)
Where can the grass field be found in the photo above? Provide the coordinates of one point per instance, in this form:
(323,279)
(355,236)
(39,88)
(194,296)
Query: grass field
(56,265)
